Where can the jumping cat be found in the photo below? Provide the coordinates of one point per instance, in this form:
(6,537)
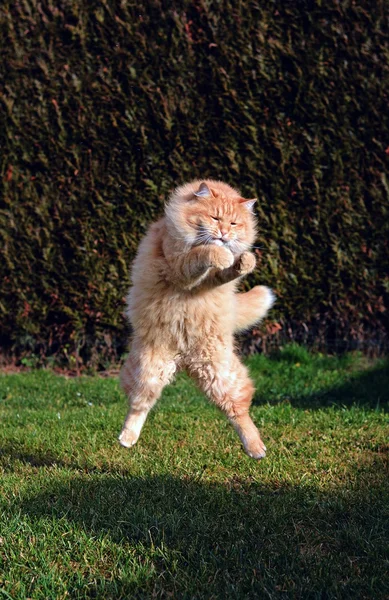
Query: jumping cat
(184,307)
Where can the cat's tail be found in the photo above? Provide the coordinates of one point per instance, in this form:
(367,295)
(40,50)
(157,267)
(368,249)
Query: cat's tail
(252,306)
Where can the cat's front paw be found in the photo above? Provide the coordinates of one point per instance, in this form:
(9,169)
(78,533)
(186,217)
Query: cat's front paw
(222,258)
(128,437)
(246,263)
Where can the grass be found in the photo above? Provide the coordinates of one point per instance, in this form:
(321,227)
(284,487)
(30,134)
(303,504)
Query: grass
(185,514)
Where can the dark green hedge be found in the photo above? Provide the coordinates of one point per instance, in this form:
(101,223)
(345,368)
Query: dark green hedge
(106,105)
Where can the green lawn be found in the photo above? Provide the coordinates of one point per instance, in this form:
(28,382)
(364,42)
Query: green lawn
(185,513)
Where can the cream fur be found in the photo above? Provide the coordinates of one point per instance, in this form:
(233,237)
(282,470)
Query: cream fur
(184,308)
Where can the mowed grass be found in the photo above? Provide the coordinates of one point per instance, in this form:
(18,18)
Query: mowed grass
(185,513)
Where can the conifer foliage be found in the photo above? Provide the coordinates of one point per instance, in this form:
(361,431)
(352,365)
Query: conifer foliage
(107,105)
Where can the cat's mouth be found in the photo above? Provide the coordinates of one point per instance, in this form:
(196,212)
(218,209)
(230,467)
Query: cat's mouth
(215,242)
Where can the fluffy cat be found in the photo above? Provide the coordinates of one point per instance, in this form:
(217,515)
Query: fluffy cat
(184,308)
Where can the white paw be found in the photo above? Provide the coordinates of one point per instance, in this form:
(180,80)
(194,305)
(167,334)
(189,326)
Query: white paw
(128,438)
(255,449)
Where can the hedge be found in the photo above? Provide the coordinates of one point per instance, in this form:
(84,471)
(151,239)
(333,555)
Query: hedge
(107,105)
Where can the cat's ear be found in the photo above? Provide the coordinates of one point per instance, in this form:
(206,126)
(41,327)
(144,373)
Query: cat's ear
(249,204)
(203,191)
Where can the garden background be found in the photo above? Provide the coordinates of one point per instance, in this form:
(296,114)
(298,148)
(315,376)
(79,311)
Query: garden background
(106,106)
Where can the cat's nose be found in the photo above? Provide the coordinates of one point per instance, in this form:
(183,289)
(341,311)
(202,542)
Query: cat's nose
(224,233)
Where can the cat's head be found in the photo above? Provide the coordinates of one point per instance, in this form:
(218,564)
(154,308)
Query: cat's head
(211,212)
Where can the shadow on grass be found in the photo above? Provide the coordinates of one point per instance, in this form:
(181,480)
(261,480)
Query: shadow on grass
(13,453)
(368,387)
(9,454)
(240,539)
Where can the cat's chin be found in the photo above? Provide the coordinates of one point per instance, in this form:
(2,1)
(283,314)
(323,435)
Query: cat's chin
(236,249)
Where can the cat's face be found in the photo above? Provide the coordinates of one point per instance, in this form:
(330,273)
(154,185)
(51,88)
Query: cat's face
(219,219)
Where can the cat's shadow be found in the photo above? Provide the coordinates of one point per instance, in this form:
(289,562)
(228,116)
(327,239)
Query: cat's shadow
(212,528)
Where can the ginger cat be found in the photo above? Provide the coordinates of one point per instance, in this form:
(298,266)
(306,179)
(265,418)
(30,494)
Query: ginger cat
(184,308)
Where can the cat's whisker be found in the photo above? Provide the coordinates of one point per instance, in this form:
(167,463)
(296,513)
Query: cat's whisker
(235,245)
(204,238)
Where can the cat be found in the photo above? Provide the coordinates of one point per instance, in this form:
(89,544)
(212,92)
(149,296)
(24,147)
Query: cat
(184,307)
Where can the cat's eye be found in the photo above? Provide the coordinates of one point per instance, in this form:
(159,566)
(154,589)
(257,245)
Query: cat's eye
(233,224)
(214,218)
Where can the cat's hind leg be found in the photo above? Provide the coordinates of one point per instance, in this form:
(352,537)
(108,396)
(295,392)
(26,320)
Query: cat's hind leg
(226,382)
(143,377)
(252,306)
